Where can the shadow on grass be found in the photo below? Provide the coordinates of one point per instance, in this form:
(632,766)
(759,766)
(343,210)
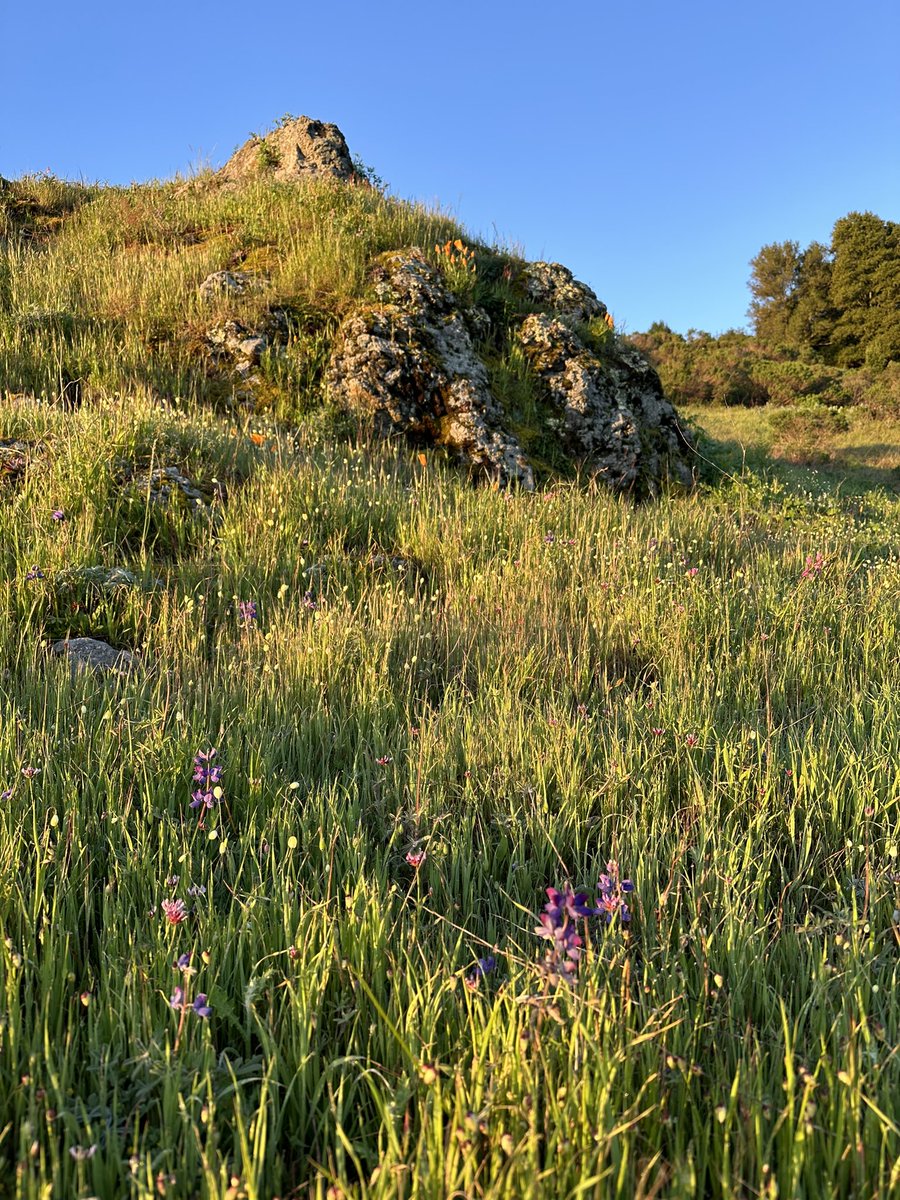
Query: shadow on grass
(843,470)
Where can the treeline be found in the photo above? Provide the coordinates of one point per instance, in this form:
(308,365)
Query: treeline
(826,328)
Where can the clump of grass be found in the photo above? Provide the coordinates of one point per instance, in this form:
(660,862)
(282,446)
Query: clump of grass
(322,976)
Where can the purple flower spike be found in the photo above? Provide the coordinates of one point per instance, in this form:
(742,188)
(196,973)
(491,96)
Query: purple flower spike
(200,1007)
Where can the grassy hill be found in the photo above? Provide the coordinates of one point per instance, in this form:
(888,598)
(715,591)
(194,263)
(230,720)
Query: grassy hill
(429,702)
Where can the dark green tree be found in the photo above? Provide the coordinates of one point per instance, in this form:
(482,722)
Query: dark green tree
(773,283)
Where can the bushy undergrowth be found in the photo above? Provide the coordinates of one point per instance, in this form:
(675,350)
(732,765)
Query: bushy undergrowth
(735,369)
(307,964)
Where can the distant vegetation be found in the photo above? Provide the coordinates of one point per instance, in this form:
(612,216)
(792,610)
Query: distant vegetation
(826,329)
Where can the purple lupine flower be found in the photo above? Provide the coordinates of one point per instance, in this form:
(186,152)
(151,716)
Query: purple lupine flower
(176,1000)
(310,602)
(182,963)
(207,773)
(483,967)
(612,890)
(34,573)
(246,611)
(573,904)
(199,798)
(58,514)
(200,1007)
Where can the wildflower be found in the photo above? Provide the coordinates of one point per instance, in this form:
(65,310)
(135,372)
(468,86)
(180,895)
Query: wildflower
(199,798)
(612,890)
(172,881)
(293,953)
(35,573)
(483,967)
(182,963)
(814,566)
(692,740)
(310,602)
(58,514)
(384,760)
(200,1007)
(175,911)
(206,772)
(196,889)
(80,1153)
(568,903)
(30,772)
(415,858)
(692,571)
(5,795)
(176,1000)
(246,611)
(657,732)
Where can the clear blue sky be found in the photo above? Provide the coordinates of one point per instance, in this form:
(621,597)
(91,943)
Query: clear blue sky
(652,147)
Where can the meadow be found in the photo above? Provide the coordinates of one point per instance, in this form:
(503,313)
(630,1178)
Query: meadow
(270,902)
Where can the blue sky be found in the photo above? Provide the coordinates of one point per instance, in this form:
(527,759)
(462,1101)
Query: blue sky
(652,147)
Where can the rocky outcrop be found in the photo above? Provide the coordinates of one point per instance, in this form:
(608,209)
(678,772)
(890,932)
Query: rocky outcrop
(299,149)
(553,286)
(164,485)
(227,283)
(235,346)
(409,364)
(614,416)
(90,654)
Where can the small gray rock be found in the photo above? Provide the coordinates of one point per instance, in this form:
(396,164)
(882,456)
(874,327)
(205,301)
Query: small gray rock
(90,654)
(228,283)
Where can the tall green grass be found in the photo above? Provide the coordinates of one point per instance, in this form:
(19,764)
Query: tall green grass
(532,678)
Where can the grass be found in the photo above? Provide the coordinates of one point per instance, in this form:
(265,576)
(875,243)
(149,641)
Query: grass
(554,680)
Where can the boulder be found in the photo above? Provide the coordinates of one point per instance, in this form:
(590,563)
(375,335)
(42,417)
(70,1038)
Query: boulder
(614,416)
(553,286)
(301,148)
(162,485)
(408,364)
(227,283)
(90,654)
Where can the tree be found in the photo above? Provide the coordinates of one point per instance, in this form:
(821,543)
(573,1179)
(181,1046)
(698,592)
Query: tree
(773,283)
(865,288)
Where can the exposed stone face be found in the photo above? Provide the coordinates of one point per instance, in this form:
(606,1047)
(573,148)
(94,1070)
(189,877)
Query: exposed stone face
(236,346)
(409,364)
(553,286)
(301,149)
(90,654)
(227,283)
(163,484)
(614,415)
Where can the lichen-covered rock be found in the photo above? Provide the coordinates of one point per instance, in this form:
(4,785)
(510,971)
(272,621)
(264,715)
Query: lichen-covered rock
(300,149)
(90,654)
(101,579)
(553,286)
(409,364)
(235,345)
(227,283)
(614,415)
(162,485)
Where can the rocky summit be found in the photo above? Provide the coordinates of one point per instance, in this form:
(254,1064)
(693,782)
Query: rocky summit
(298,149)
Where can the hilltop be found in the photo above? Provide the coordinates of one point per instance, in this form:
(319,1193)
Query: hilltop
(288,285)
